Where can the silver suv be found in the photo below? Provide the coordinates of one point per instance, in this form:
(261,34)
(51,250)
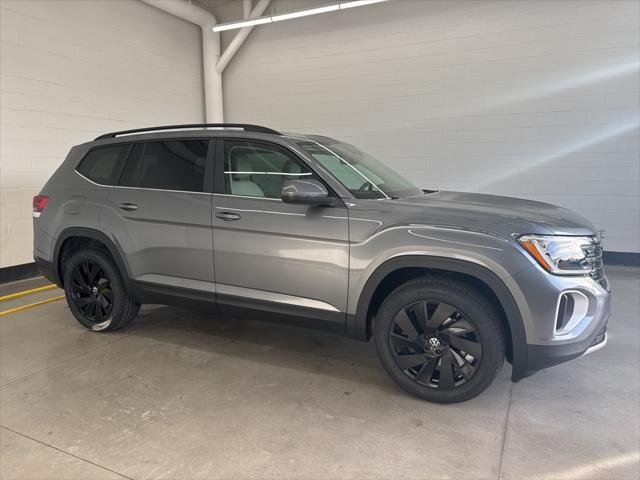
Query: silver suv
(244,221)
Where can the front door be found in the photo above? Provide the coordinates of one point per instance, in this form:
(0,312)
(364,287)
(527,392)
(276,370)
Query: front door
(269,255)
(160,214)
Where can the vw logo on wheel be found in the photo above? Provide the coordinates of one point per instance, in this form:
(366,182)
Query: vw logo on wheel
(434,342)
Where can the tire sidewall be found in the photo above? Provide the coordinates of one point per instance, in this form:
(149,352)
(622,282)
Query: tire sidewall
(117,287)
(473,307)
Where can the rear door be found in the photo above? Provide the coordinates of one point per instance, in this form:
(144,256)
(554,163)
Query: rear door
(160,214)
(273,256)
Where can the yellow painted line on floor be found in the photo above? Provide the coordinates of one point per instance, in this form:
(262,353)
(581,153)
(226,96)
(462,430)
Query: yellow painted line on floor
(30,305)
(27,292)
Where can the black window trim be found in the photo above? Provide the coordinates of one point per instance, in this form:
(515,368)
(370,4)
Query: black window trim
(219,185)
(207,188)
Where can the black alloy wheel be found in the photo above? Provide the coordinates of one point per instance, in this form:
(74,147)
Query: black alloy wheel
(96,293)
(91,291)
(440,338)
(435,345)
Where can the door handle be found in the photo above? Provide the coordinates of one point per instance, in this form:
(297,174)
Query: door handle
(228,216)
(129,207)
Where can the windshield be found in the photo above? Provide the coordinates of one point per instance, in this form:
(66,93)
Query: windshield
(360,173)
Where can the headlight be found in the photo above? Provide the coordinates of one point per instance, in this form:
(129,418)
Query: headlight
(560,255)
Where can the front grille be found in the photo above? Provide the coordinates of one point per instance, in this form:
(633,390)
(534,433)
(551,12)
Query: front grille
(593,253)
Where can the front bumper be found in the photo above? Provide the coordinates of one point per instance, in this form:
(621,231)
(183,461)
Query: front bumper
(544,356)
(546,344)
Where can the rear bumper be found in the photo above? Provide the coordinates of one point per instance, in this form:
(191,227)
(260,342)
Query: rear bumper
(47,270)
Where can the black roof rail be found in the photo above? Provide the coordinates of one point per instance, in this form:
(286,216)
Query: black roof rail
(244,126)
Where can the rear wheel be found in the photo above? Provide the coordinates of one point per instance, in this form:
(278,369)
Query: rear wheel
(95,291)
(439,339)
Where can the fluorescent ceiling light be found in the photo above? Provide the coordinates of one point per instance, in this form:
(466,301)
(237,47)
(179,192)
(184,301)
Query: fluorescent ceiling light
(296,14)
(246,23)
(304,13)
(359,3)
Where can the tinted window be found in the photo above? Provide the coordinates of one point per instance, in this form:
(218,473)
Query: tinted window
(254,169)
(172,165)
(103,165)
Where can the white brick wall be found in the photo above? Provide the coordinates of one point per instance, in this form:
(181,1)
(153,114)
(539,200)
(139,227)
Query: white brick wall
(73,69)
(536,99)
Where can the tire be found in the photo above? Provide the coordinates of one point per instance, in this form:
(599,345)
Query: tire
(469,338)
(95,292)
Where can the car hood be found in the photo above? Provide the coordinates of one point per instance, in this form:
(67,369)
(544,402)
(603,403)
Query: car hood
(505,215)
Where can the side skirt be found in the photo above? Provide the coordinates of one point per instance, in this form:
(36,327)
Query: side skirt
(168,295)
(313,318)
(240,307)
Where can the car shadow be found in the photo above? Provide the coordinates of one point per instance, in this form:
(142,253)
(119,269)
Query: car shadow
(311,351)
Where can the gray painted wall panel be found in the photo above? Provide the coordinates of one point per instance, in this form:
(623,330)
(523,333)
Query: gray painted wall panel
(526,98)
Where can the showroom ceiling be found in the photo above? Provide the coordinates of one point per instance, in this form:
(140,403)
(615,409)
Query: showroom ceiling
(212,4)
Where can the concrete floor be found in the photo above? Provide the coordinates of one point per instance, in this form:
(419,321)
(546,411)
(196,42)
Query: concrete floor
(177,395)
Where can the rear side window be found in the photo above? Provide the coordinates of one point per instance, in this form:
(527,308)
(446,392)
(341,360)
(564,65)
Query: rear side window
(170,165)
(104,164)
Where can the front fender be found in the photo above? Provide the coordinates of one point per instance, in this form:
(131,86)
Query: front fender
(491,259)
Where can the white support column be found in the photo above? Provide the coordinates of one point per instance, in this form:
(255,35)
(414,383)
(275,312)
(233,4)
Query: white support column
(246,8)
(241,36)
(214,111)
(212,78)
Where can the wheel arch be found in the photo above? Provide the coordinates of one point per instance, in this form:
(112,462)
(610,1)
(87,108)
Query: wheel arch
(93,237)
(397,270)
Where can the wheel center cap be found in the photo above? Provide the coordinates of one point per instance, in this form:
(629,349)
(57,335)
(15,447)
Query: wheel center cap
(94,290)
(434,343)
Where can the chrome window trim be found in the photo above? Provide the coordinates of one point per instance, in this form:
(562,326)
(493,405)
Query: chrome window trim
(141,188)
(162,190)
(92,182)
(233,172)
(231,195)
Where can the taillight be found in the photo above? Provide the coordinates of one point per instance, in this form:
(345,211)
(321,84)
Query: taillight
(39,202)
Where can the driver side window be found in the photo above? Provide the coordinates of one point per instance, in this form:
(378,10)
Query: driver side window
(256,169)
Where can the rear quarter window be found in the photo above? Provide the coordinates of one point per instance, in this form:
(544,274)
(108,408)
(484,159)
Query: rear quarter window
(103,164)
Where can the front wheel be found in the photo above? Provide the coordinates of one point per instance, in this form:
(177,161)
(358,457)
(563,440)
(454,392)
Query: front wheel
(439,339)
(95,292)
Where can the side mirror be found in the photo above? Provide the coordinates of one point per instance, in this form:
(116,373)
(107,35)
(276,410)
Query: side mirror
(306,192)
